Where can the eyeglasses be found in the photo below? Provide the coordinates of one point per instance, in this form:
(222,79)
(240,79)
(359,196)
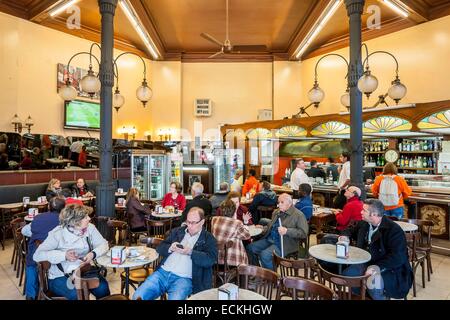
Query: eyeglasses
(193,222)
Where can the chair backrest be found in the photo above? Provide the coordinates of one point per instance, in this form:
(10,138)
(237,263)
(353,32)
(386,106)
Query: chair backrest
(83,285)
(158,228)
(343,285)
(266,280)
(424,228)
(119,230)
(412,239)
(154,243)
(294,268)
(311,290)
(265,211)
(9,214)
(223,271)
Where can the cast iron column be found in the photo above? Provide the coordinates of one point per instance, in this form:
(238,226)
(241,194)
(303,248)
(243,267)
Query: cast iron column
(354,11)
(105,190)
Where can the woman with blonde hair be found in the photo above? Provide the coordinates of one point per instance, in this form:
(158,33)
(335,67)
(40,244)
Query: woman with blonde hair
(136,211)
(391,189)
(73,243)
(53,189)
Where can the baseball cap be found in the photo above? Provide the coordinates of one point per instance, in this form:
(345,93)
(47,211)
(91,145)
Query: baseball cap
(355,190)
(73,201)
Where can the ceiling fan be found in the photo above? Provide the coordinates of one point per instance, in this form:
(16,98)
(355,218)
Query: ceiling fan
(226,47)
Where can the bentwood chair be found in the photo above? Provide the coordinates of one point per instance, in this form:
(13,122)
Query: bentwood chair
(6,215)
(224,272)
(343,286)
(265,280)
(305,289)
(424,241)
(158,228)
(15,224)
(416,258)
(138,275)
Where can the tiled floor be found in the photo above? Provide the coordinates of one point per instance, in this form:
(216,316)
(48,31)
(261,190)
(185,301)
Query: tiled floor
(437,289)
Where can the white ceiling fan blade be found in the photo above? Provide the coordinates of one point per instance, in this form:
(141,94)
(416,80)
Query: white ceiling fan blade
(216,54)
(211,38)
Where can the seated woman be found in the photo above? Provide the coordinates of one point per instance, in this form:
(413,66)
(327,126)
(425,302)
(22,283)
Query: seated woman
(53,189)
(73,243)
(136,212)
(27,162)
(174,197)
(266,197)
(352,209)
(241,212)
(225,228)
(81,189)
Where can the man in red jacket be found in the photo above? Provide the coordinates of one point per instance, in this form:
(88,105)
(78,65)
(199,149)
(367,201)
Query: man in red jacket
(352,209)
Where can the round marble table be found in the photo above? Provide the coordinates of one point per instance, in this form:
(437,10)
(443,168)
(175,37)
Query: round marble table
(11,205)
(37,203)
(407,227)
(254,231)
(166,215)
(146,256)
(212,294)
(327,252)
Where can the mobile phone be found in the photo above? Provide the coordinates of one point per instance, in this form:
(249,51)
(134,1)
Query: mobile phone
(179,245)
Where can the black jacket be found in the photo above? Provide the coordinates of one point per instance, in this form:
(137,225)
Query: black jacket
(389,251)
(199,201)
(76,191)
(315,172)
(204,256)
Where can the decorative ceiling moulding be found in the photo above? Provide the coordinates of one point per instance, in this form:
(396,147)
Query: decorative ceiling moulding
(440,11)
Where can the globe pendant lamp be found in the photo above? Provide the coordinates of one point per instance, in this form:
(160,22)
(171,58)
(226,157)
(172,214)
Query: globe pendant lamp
(397,91)
(144,93)
(67,92)
(118,100)
(367,83)
(316,94)
(345,99)
(90,83)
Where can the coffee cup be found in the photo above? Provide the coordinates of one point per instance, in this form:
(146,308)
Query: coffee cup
(26,201)
(119,190)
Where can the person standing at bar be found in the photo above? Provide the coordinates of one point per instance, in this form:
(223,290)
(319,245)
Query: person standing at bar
(251,184)
(299,176)
(315,171)
(344,180)
(391,189)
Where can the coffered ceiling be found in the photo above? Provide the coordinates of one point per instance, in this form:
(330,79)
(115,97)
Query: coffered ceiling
(175,25)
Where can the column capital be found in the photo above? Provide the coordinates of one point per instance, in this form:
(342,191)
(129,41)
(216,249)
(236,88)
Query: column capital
(107,6)
(354,7)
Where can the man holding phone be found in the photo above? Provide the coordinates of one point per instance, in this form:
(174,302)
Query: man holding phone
(189,254)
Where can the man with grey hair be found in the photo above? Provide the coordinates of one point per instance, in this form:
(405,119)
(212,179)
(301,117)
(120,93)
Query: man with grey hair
(293,227)
(219,196)
(386,242)
(198,200)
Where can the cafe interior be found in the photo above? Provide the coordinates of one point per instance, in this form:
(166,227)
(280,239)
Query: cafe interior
(341,104)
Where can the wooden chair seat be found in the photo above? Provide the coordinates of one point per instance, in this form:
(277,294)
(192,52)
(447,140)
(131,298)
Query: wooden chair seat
(306,289)
(265,280)
(115,297)
(137,275)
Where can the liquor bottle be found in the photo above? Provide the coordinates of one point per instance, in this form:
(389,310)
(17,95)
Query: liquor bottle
(402,161)
(425,146)
(425,162)
(430,145)
(406,161)
(378,161)
(430,162)
(400,146)
(419,162)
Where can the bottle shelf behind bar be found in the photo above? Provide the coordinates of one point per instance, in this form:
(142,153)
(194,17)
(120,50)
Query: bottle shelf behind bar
(409,168)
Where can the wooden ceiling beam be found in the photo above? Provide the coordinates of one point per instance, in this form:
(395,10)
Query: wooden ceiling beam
(148,22)
(93,35)
(390,26)
(440,11)
(418,10)
(13,8)
(39,9)
(311,17)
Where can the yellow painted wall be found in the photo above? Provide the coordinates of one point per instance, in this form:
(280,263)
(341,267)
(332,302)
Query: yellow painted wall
(237,91)
(287,88)
(423,53)
(29,55)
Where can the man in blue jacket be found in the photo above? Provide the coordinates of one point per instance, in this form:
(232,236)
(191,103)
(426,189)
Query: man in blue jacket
(189,254)
(386,242)
(304,203)
(40,227)
(266,197)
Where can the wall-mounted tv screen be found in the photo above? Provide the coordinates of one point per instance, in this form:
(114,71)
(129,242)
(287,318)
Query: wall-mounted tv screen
(81,115)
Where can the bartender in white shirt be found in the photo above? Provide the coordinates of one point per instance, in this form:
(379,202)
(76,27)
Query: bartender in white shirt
(299,176)
(344,174)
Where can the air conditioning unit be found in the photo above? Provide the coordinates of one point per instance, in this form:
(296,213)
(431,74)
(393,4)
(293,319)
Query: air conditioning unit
(202,108)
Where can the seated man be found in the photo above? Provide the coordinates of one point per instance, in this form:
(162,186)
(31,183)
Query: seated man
(187,267)
(198,200)
(293,228)
(266,198)
(304,203)
(386,242)
(219,196)
(352,209)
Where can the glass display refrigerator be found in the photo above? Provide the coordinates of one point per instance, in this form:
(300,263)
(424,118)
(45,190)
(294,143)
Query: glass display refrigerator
(226,163)
(150,174)
(176,167)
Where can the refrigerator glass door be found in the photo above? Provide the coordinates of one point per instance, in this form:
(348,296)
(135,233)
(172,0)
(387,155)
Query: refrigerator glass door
(157,177)
(140,175)
(176,167)
(226,163)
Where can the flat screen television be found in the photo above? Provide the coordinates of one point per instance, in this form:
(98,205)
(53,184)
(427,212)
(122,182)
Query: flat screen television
(83,115)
